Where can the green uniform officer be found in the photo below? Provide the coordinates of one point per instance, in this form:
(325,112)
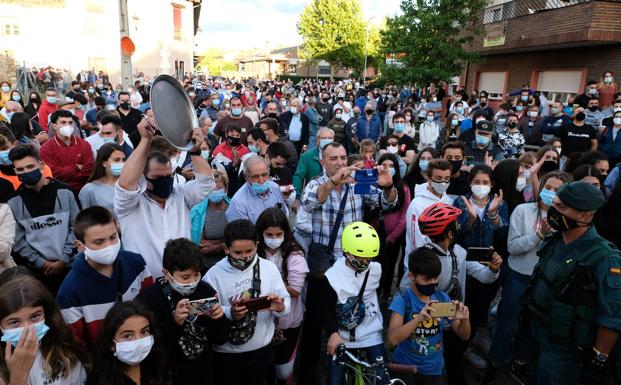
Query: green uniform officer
(574,298)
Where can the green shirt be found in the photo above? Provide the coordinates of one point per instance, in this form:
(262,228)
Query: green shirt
(308,168)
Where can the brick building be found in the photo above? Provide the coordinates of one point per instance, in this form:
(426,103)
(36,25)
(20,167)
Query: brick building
(554,45)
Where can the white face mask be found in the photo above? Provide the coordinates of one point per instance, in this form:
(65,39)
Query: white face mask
(66,131)
(617,121)
(392,149)
(105,256)
(133,352)
(533,114)
(273,243)
(183,289)
(480,191)
(440,187)
(520,184)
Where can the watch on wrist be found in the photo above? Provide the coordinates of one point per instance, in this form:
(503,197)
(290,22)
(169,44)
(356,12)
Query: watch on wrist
(599,356)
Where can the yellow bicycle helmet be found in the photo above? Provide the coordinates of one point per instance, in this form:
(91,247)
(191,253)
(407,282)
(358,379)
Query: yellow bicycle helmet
(361,240)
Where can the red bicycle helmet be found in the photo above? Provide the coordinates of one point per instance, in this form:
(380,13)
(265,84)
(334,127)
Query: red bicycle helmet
(434,220)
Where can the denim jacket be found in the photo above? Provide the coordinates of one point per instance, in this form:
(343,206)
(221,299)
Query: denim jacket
(481,233)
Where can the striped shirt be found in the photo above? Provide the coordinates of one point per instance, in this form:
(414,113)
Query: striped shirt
(246,204)
(324,214)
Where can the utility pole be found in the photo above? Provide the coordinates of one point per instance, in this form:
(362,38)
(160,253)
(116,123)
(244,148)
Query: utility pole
(366,53)
(126,60)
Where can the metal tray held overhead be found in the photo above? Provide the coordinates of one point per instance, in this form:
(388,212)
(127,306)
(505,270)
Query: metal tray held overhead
(173,112)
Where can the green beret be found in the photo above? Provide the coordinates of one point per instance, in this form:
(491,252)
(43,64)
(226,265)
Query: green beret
(581,196)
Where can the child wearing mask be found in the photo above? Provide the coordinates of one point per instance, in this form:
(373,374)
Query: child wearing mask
(131,349)
(246,356)
(186,332)
(414,330)
(276,244)
(350,307)
(101,275)
(37,347)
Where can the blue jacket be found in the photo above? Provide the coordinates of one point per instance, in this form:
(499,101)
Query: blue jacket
(481,234)
(197,219)
(361,102)
(375,127)
(551,124)
(611,148)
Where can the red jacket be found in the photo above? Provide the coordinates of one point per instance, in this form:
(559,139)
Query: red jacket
(226,150)
(45,111)
(64,160)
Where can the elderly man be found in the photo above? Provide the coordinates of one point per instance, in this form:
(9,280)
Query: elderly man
(322,199)
(257,194)
(206,123)
(150,208)
(309,166)
(369,125)
(296,125)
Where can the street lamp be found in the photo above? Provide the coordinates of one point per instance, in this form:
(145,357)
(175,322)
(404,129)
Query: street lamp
(366,53)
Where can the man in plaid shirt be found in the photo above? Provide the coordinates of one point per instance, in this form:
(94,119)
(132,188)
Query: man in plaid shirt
(322,198)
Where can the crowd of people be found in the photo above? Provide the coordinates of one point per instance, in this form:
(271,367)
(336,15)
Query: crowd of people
(307,216)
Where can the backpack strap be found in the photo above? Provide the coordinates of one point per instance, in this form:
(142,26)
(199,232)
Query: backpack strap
(352,332)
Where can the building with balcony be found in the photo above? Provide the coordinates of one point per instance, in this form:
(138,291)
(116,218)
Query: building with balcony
(553,45)
(84,34)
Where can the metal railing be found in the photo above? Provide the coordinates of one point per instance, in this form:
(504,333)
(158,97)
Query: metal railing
(518,8)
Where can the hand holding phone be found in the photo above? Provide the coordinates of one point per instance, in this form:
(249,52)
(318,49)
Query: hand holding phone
(443,309)
(255,304)
(201,306)
(480,254)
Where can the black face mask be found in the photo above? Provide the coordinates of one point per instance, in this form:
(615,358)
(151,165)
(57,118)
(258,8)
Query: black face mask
(369,112)
(593,108)
(272,115)
(456,166)
(124,105)
(483,104)
(512,124)
(162,186)
(561,222)
(232,141)
(30,178)
(325,99)
(426,290)
(580,116)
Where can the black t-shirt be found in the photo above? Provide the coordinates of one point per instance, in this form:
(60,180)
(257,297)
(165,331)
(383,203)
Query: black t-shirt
(576,138)
(131,120)
(459,186)
(405,144)
(6,190)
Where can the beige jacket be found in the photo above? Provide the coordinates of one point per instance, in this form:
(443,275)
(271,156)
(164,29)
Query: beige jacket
(7,237)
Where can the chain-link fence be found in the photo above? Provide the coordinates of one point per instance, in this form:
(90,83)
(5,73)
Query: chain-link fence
(513,9)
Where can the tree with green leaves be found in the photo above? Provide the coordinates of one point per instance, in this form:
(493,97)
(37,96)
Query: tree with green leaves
(334,31)
(429,38)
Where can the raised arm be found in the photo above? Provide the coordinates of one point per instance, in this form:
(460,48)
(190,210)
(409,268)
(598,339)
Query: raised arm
(135,164)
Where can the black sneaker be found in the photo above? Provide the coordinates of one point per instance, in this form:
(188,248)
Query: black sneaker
(518,373)
(493,376)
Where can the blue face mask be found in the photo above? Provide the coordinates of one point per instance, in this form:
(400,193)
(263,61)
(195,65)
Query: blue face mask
(205,154)
(9,116)
(392,171)
(547,197)
(108,140)
(16,97)
(216,196)
(423,164)
(324,142)
(519,108)
(4,158)
(524,98)
(13,335)
(253,148)
(454,122)
(216,102)
(399,127)
(236,111)
(116,168)
(482,140)
(51,99)
(260,188)
(162,186)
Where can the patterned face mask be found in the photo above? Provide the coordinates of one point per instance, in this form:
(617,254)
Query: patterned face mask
(241,263)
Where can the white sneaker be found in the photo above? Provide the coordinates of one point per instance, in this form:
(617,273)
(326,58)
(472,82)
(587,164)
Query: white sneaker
(475,360)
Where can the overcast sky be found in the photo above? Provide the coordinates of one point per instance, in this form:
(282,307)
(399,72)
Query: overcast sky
(242,24)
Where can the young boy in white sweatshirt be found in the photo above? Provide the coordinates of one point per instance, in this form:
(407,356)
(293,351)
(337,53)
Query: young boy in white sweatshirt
(246,357)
